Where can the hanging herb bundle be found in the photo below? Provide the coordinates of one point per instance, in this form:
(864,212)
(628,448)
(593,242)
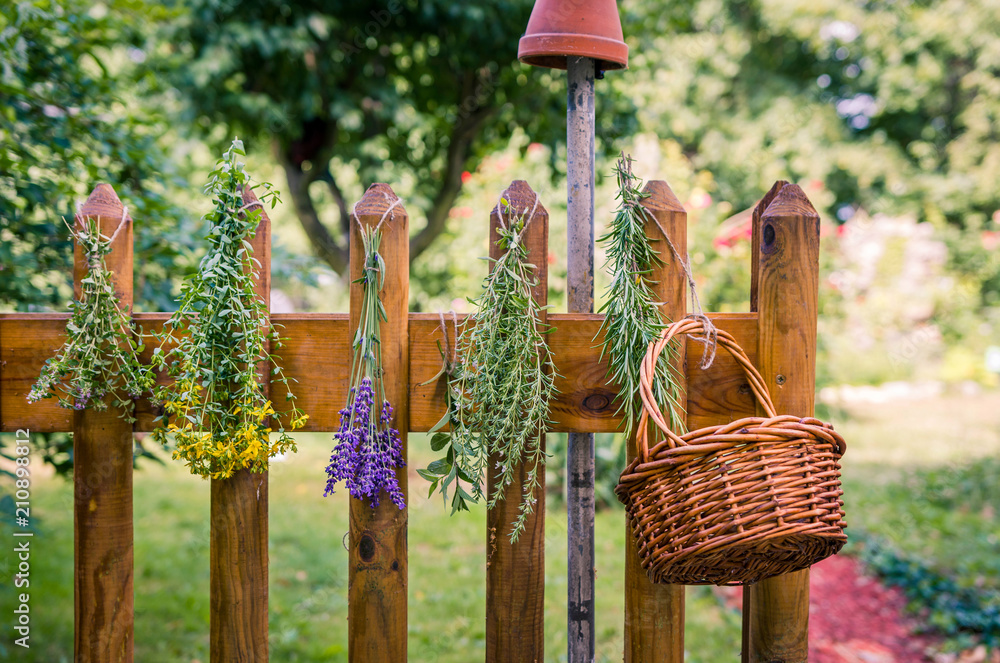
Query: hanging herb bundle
(501,392)
(464,459)
(215,409)
(632,318)
(368,449)
(100,355)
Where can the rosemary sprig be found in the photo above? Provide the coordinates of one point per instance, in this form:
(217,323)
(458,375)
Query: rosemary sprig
(100,355)
(215,409)
(632,317)
(508,378)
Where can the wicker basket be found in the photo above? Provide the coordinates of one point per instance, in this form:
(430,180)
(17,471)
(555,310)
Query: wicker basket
(736,503)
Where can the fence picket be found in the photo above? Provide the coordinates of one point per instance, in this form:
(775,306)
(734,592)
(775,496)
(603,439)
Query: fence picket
(515,573)
(786,260)
(654,614)
(378,556)
(102,480)
(239,521)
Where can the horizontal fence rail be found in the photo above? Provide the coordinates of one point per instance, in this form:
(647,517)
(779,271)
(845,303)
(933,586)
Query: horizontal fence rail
(317,354)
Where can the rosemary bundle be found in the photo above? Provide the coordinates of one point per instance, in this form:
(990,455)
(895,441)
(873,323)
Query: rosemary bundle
(368,449)
(100,355)
(501,392)
(215,409)
(632,318)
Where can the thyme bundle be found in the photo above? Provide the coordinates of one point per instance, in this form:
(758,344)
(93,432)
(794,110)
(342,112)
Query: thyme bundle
(368,449)
(500,393)
(632,318)
(215,409)
(100,355)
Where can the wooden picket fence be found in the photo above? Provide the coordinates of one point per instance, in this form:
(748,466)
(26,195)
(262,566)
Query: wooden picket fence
(778,333)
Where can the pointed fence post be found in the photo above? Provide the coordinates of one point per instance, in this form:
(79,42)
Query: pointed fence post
(378,562)
(102,479)
(654,614)
(515,573)
(786,278)
(239,522)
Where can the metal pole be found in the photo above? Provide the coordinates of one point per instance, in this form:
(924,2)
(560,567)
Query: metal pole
(580,296)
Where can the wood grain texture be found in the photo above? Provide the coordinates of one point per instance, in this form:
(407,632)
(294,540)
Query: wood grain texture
(721,393)
(103,593)
(758,210)
(515,572)
(26,341)
(776,622)
(377,611)
(317,356)
(654,614)
(238,557)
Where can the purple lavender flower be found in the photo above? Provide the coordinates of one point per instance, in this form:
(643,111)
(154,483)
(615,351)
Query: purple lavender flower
(368,451)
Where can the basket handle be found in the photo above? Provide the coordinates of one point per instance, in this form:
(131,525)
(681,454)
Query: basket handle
(650,409)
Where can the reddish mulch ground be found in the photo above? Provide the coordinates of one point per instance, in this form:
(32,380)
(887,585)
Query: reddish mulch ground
(855,619)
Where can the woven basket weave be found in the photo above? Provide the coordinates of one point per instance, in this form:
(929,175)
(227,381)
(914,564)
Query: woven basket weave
(736,503)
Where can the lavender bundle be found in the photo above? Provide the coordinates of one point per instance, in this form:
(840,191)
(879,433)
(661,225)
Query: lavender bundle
(368,449)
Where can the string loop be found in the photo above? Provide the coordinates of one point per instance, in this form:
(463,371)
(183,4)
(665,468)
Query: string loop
(710,336)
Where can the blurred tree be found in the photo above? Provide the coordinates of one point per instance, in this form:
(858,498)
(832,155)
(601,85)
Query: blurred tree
(893,107)
(74,115)
(345,89)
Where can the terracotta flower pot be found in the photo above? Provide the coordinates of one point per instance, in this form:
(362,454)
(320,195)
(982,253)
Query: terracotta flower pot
(558,29)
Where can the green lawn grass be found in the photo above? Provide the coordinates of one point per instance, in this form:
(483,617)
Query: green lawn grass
(308,572)
(924,476)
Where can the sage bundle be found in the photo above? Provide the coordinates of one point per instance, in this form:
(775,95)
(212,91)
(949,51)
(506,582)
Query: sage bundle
(100,355)
(368,449)
(215,410)
(464,456)
(500,393)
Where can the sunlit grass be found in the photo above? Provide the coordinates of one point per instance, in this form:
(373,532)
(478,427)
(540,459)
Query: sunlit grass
(308,572)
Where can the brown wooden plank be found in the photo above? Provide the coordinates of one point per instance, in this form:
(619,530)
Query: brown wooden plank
(585,401)
(721,393)
(103,594)
(654,614)
(317,355)
(377,611)
(515,572)
(239,529)
(777,609)
(26,341)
